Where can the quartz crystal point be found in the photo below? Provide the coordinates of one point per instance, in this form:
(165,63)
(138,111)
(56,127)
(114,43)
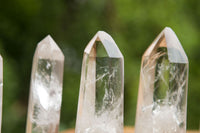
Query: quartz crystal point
(46,88)
(1,88)
(162,97)
(100,107)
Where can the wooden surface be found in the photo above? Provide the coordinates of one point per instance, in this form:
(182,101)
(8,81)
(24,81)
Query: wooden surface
(126,130)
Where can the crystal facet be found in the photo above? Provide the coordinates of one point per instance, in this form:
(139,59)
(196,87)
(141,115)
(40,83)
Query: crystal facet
(1,88)
(162,97)
(46,88)
(100,107)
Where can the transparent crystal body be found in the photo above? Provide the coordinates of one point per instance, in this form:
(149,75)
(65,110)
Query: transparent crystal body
(1,89)
(162,97)
(46,88)
(100,107)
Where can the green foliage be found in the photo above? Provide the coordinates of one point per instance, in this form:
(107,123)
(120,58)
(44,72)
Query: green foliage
(72,23)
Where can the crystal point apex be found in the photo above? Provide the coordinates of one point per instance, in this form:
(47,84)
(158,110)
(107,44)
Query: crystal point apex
(107,42)
(167,38)
(47,48)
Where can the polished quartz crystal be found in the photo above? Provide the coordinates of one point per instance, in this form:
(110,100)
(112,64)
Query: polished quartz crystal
(162,97)
(46,88)
(1,88)
(100,107)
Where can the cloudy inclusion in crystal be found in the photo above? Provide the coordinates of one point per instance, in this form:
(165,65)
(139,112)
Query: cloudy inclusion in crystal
(46,88)
(162,98)
(100,108)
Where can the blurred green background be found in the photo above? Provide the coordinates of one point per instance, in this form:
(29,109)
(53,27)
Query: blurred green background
(72,23)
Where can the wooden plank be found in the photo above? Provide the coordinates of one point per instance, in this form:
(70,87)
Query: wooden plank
(126,130)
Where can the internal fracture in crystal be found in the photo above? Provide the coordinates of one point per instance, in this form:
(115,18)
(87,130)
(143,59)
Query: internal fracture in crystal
(162,97)
(46,88)
(100,107)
